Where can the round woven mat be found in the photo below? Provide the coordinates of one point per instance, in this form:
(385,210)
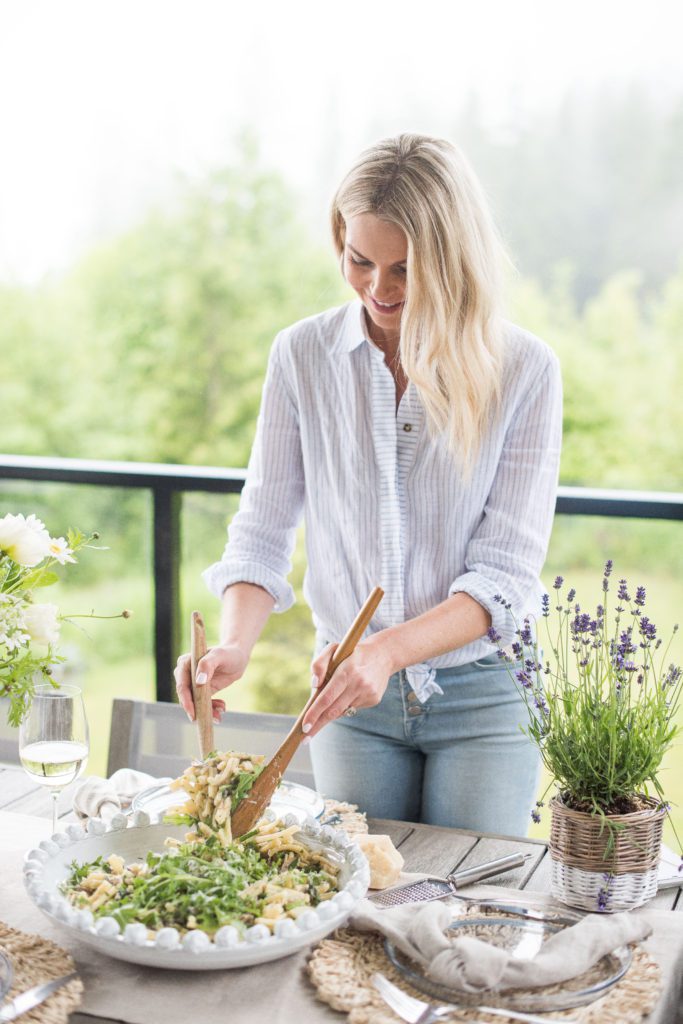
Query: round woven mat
(345,816)
(35,960)
(341,969)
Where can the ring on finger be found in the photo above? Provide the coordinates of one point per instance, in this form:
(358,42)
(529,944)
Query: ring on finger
(350,712)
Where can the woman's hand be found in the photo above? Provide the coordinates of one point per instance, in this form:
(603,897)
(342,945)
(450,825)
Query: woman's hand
(220,666)
(359,682)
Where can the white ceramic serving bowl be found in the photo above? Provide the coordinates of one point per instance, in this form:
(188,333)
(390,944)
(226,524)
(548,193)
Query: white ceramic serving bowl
(49,864)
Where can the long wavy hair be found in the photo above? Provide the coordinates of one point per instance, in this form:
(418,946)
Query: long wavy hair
(451,343)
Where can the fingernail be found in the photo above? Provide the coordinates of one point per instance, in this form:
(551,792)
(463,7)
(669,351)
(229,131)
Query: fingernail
(307,727)
(314,682)
(201,678)
(189,716)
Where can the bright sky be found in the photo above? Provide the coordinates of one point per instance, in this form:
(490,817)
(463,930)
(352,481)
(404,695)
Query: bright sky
(103,101)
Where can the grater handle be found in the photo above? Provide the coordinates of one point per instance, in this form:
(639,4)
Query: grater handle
(468,876)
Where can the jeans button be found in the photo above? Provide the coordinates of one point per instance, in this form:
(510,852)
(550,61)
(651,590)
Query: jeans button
(414,711)
(412,697)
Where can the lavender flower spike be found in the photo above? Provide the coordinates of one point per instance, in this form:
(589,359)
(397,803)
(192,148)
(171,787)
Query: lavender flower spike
(606,575)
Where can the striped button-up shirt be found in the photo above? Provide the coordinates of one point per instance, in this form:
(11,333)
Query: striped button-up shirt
(384,502)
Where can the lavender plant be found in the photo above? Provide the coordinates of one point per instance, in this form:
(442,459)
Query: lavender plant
(602,705)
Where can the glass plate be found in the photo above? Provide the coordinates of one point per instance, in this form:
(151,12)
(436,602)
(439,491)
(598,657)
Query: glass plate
(289,798)
(523,939)
(6,975)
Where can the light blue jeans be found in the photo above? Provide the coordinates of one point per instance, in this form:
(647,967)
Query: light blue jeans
(459,760)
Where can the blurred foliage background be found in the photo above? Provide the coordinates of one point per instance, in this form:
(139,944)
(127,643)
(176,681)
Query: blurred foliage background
(153,346)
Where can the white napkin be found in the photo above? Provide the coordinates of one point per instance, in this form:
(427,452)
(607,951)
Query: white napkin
(472,965)
(103,798)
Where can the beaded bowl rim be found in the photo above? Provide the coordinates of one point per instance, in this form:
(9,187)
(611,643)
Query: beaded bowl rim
(196,950)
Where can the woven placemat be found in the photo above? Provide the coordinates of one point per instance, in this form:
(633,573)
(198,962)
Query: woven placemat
(341,969)
(346,817)
(35,960)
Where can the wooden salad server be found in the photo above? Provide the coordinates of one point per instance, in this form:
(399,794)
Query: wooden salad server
(201,695)
(252,806)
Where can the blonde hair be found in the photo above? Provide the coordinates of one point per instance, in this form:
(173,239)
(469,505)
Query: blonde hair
(451,344)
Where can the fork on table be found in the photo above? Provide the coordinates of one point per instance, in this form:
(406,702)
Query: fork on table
(414,1011)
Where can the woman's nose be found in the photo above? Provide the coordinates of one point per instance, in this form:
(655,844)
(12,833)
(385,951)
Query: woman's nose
(381,284)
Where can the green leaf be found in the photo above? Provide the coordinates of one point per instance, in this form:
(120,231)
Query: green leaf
(46,579)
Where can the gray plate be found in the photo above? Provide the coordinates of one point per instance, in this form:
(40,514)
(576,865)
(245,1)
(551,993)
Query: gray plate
(6,975)
(523,939)
(289,798)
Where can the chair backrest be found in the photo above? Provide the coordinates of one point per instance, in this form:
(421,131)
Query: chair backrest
(9,736)
(159,739)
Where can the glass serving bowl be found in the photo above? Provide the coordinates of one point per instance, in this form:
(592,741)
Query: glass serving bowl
(289,798)
(6,975)
(522,939)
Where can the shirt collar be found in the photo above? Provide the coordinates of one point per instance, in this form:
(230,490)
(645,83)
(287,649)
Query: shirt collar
(353,332)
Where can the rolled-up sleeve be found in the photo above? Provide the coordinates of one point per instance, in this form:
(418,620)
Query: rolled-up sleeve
(262,534)
(506,553)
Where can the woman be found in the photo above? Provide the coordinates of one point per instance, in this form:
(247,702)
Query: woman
(419,435)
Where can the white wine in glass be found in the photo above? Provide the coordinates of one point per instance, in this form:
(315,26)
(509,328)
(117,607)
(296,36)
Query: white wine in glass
(53,739)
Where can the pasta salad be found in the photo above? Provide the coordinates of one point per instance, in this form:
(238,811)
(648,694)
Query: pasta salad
(210,880)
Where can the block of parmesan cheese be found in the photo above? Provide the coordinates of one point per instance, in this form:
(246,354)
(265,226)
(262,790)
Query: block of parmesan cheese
(384,859)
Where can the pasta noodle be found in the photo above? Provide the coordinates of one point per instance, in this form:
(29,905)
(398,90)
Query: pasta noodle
(214,787)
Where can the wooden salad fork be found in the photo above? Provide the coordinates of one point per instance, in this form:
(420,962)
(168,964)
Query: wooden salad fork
(201,695)
(252,806)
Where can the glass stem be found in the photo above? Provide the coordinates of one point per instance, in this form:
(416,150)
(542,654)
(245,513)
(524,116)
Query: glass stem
(55,797)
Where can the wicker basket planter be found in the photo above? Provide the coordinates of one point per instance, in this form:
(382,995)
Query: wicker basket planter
(584,876)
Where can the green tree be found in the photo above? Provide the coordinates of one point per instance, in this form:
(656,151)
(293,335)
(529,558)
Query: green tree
(183,309)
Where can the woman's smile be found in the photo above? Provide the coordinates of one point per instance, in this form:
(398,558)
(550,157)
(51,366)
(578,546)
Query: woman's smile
(385,307)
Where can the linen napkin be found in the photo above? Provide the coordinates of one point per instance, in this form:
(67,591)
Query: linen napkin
(103,798)
(471,965)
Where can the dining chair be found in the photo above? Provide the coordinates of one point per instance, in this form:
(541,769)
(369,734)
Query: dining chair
(9,736)
(158,738)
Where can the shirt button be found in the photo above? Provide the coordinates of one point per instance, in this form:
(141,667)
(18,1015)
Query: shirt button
(412,697)
(407,427)
(414,710)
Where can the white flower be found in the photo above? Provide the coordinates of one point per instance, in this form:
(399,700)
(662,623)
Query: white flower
(25,540)
(60,550)
(41,622)
(12,635)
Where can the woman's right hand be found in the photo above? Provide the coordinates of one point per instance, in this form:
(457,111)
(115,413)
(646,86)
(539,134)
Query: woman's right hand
(220,666)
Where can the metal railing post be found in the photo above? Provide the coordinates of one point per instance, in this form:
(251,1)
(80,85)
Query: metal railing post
(167,509)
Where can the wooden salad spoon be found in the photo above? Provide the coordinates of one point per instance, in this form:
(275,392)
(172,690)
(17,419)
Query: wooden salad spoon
(252,806)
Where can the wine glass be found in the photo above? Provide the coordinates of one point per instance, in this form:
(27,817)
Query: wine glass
(53,739)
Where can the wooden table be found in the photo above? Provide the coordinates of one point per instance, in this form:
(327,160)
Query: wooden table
(24,808)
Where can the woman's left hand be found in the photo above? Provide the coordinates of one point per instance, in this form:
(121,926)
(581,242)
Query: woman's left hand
(359,682)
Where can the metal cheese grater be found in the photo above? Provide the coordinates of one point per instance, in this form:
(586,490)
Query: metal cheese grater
(438,888)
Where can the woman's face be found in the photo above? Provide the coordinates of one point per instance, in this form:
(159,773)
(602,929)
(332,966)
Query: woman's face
(375,255)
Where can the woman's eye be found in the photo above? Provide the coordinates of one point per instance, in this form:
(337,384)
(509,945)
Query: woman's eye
(359,263)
